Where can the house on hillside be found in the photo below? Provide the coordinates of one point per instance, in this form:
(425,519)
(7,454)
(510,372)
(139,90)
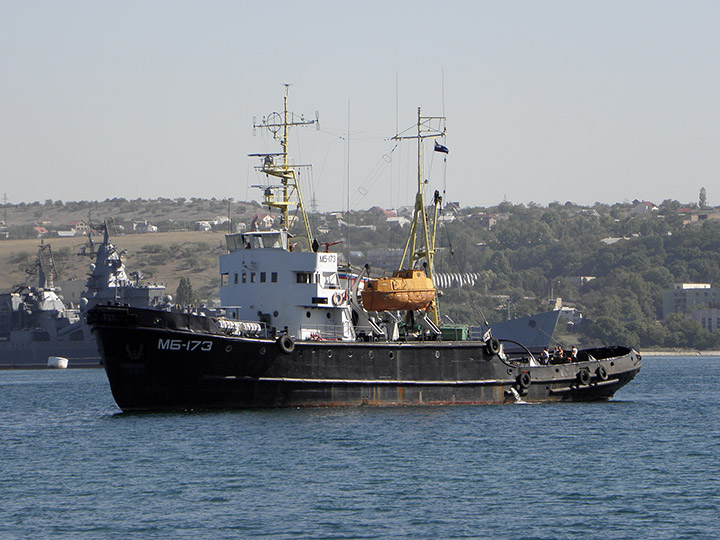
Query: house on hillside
(79,227)
(144,227)
(399,221)
(73,228)
(487,221)
(644,208)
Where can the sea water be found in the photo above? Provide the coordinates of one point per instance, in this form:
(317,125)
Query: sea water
(645,465)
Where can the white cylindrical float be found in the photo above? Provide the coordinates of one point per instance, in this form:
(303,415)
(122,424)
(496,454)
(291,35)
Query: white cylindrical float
(57,362)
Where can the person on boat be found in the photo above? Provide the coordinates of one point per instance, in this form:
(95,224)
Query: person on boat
(573,354)
(559,353)
(545,356)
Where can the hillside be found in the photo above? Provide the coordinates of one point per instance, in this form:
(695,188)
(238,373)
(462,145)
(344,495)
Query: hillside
(610,262)
(183,212)
(162,258)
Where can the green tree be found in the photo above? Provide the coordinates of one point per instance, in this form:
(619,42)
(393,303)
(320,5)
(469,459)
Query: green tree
(185,294)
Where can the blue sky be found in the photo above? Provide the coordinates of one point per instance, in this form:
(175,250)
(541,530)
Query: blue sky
(558,100)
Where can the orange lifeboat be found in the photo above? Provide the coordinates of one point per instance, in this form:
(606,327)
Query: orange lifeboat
(405,290)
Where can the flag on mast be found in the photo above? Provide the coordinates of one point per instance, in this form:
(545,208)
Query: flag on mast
(440,148)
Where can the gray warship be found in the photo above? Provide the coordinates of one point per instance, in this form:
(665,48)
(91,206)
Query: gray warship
(36,324)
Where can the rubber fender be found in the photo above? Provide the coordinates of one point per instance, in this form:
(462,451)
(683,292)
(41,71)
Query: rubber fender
(287,345)
(601,373)
(493,346)
(524,380)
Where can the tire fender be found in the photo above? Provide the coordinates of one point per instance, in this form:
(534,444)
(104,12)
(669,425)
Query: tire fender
(287,345)
(601,373)
(524,380)
(492,346)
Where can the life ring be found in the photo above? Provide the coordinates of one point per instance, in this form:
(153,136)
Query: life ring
(583,377)
(601,373)
(493,346)
(524,380)
(287,345)
(337,299)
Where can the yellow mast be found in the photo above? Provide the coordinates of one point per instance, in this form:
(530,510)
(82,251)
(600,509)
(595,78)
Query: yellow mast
(281,196)
(427,251)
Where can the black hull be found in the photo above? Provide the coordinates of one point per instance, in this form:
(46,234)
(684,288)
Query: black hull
(160,361)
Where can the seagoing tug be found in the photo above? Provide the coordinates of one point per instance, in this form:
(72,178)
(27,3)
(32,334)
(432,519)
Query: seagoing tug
(293,334)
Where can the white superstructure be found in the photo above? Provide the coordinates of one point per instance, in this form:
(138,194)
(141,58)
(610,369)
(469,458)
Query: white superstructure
(297,292)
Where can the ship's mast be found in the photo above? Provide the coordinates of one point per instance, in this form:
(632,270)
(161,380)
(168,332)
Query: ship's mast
(428,127)
(288,193)
(44,267)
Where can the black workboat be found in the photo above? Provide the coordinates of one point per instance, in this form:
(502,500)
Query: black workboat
(164,360)
(294,334)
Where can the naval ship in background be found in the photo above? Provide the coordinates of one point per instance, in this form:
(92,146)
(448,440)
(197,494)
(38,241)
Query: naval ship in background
(37,328)
(293,335)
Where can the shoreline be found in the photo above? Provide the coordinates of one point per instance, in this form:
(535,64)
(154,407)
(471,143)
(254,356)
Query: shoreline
(679,353)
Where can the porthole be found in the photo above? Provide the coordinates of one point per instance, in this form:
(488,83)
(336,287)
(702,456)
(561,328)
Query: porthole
(391,355)
(350,353)
(330,354)
(371,354)
(327,314)
(308,314)
(275,313)
(262,351)
(437,354)
(228,348)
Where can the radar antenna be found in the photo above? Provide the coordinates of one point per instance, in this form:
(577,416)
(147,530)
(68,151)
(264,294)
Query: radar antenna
(288,193)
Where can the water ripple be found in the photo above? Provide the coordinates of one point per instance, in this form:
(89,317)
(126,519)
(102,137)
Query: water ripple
(643,466)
